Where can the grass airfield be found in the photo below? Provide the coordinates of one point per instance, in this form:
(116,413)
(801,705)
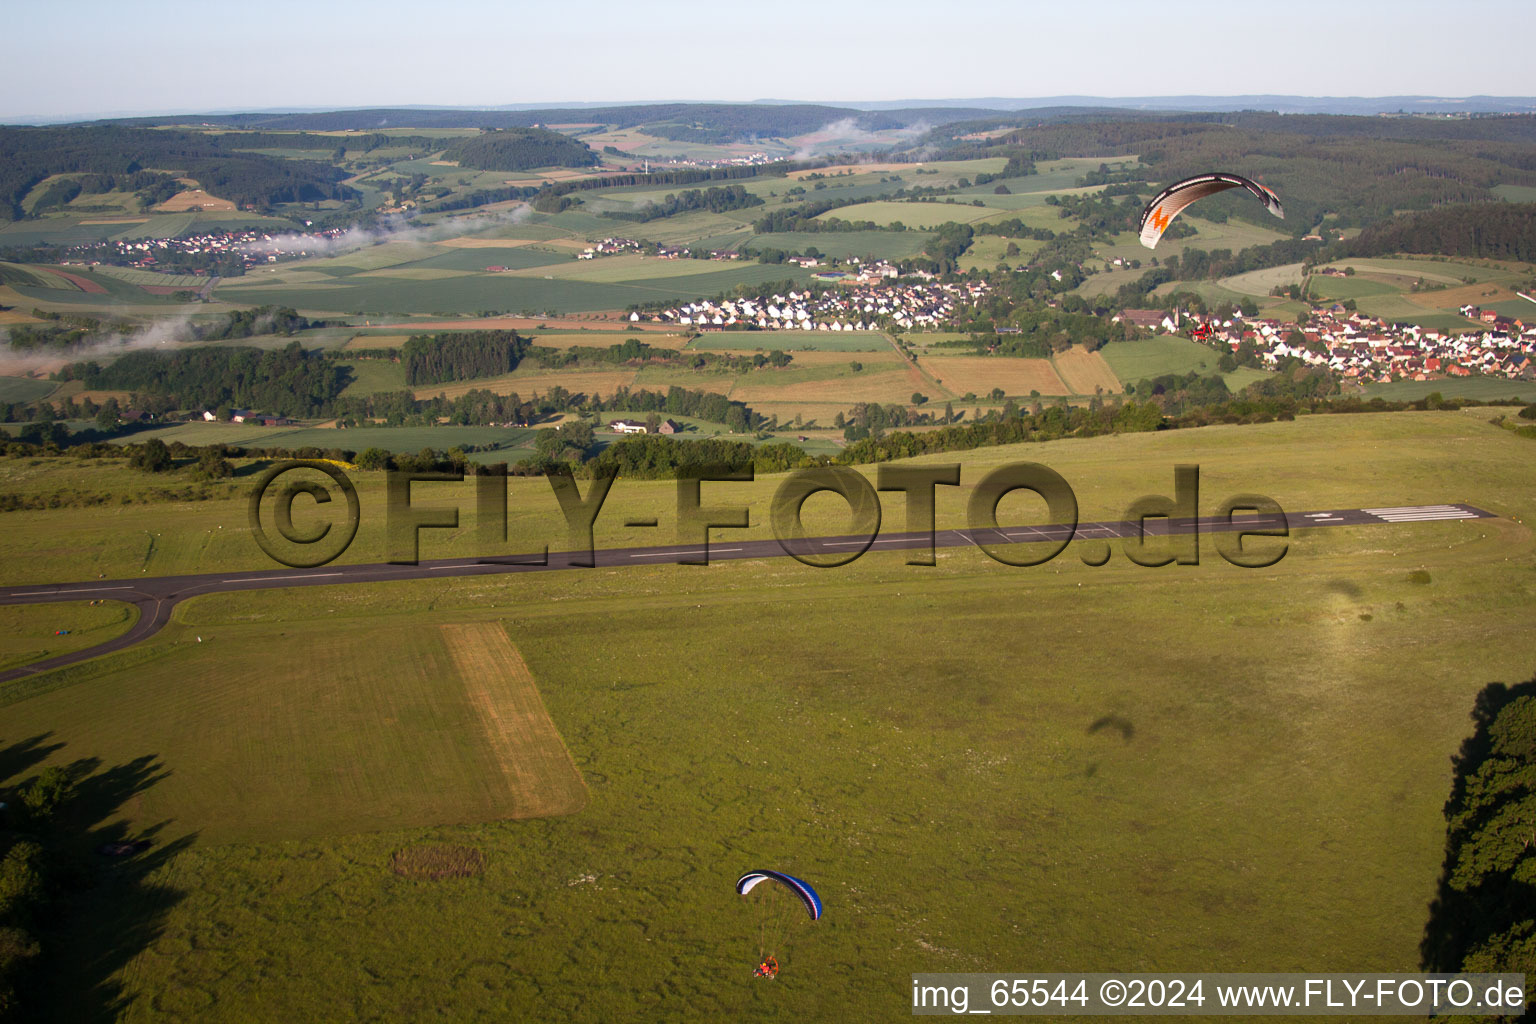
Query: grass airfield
(981,767)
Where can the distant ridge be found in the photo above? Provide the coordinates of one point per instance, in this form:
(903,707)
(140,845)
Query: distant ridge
(941,110)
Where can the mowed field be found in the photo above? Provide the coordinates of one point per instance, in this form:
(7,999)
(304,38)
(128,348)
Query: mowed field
(1086,373)
(975,764)
(395,725)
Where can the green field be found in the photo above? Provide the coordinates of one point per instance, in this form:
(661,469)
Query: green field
(1139,360)
(24,389)
(506,292)
(959,804)
(886,245)
(1485,389)
(31,632)
(370,376)
(391,439)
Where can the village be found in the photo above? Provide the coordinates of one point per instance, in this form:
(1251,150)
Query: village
(1365,349)
(875,300)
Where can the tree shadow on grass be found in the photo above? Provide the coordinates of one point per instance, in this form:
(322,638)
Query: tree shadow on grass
(105,909)
(1481,903)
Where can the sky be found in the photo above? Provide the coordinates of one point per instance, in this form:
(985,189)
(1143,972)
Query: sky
(99,58)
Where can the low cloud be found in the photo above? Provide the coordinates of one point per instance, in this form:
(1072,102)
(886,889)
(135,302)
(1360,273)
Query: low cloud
(393,228)
(162,333)
(844,135)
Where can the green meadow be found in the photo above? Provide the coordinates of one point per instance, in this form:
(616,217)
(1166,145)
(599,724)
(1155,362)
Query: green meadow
(978,765)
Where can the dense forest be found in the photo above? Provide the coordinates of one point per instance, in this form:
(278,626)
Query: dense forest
(1501,231)
(288,382)
(461,355)
(1484,916)
(518,149)
(29,155)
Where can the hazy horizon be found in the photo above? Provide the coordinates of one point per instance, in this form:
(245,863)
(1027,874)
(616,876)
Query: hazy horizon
(474,54)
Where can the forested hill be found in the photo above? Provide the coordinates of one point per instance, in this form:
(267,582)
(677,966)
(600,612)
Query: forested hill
(1501,231)
(518,149)
(1358,170)
(28,155)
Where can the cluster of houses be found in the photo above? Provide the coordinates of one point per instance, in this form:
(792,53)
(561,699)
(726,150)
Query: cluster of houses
(253,247)
(254,418)
(609,247)
(1365,349)
(636,427)
(614,246)
(865,306)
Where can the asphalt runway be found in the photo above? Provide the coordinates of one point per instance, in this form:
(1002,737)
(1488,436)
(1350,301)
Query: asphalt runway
(156,597)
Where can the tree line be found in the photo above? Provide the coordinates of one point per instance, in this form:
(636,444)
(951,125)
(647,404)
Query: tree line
(713,199)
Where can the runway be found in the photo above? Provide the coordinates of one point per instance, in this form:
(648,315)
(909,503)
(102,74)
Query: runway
(156,597)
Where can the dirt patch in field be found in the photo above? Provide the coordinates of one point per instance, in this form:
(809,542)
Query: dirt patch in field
(980,374)
(1083,371)
(436,861)
(537,766)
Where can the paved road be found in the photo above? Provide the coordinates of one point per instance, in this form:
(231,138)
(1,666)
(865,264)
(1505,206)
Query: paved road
(157,596)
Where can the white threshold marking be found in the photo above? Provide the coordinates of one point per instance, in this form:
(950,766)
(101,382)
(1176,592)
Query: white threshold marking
(266,579)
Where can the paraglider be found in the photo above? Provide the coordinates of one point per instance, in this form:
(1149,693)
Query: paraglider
(1170,202)
(782,907)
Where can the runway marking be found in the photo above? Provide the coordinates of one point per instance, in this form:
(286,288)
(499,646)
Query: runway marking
(665,554)
(268,579)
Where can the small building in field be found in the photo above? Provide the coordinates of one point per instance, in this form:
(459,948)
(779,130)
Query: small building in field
(627,427)
(669,427)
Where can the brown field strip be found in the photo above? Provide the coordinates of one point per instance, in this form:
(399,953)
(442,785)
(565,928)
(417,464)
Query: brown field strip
(980,374)
(1084,370)
(543,779)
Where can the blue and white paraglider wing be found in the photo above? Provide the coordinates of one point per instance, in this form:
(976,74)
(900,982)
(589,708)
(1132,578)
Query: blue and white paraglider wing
(747,882)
